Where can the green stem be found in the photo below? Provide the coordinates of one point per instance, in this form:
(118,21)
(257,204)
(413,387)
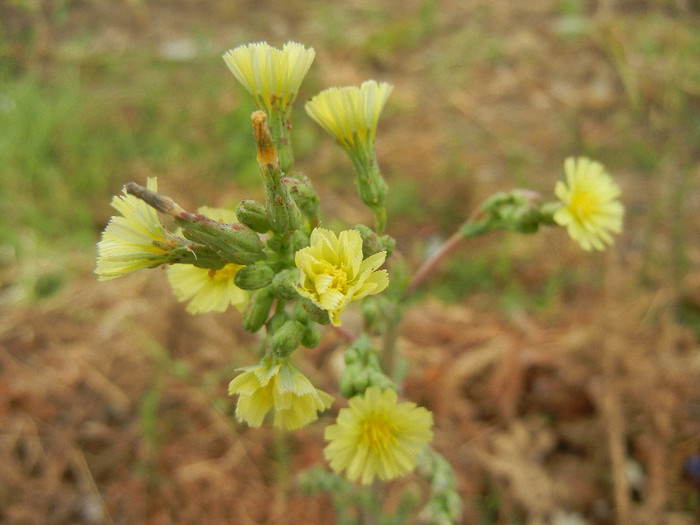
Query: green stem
(391,336)
(469,228)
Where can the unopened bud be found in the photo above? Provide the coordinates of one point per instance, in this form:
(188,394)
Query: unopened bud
(276,321)
(312,336)
(303,194)
(284,284)
(253,214)
(373,243)
(362,369)
(258,310)
(300,239)
(285,216)
(314,313)
(287,338)
(254,276)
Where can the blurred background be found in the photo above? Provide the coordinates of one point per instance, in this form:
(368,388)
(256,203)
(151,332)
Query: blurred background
(564,384)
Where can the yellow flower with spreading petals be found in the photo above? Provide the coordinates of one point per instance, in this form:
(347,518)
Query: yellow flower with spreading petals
(333,273)
(208,290)
(272,76)
(350,114)
(134,241)
(591,210)
(376,436)
(276,384)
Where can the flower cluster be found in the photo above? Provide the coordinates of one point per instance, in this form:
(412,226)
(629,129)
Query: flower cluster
(287,276)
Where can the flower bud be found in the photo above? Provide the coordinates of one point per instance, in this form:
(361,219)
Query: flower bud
(373,243)
(300,239)
(362,369)
(276,321)
(284,284)
(303,194)
(287,338)
(254,276)
(314,313)
(285,216)
(253,214)
(311,337)
(258,310)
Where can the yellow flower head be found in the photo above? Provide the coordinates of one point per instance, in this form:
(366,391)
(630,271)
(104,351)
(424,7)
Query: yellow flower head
(591,209)
(208,290)
(275,383)
(333,273)
(271,75)
(350,114)
(129,242)
(376,436)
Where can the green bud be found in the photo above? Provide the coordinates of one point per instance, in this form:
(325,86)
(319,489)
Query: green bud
(254,276)
(362,369)
(253,214)
(374,243)
(373,309)
(284,284)
(300,240)
(258,310)
(314,313)
(235,242)
(303,194)
(287,338)
(312,336)
(276,321)
(285,216)
(373,190)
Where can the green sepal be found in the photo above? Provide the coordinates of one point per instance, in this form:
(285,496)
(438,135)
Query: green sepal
(254,276)
(254,215)
(258,310)
(303,193)
(362,369)
(284,284)
(312,312)
(373,243)
(233,242)
(311,337)
(287,337)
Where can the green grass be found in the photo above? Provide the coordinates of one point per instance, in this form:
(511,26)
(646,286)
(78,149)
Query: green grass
(70,141)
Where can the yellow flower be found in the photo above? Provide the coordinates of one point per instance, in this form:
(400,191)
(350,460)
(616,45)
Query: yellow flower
(271,75)
(376,436)
(591,209)
(350,114)
(333,274)
(130,242)
(208,290)
(275,383)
